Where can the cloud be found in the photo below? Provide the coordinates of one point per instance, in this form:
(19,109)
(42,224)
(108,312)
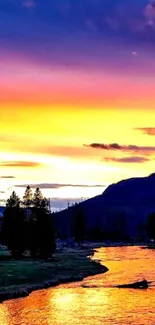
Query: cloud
(63,151)
(79,152)
(29,3)
(147,130)
(149,13)
(57,185)
(19,164)
(7,177)
(2,192)
(112,146)
(29,144)
(2,201)
(134,53)
(130,159)
(124,148)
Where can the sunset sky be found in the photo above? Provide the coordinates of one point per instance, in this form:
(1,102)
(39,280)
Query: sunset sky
(77,95)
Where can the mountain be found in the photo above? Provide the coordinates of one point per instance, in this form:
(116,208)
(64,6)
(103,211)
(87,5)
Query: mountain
(121,211)
(133,191)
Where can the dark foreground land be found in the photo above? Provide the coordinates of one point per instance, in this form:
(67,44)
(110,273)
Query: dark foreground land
(20,278)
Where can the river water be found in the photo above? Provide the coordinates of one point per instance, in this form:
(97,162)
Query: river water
(93,301)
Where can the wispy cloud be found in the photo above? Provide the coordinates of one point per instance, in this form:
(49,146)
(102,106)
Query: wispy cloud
(57,185)
(29,3)
(130,159)
(112,146)
(146,130)
(7,177)
(2,201)
(124,148)
(29,144)
(66,151)
(19,164)
(149,13)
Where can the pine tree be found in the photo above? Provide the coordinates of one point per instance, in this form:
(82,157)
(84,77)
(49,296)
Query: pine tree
(13,222)
(42,234)
(30,227)
(13,201)
(38,200)
(27,198)
(41,231)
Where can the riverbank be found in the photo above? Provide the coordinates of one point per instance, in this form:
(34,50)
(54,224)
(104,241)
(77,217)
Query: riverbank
(20,278)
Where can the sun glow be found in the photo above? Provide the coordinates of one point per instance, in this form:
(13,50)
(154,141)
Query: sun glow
(51,114)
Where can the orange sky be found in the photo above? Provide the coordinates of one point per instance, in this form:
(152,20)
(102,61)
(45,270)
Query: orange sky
(77,110)
(43,130)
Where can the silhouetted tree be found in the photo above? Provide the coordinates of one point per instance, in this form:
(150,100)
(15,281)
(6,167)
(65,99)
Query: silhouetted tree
(13,201)
(38,200)
(28,197)
(80,225)
(41,233)
(12,232)
(151,226)
(29,228)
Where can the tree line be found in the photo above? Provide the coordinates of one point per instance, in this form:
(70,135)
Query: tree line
(27,225)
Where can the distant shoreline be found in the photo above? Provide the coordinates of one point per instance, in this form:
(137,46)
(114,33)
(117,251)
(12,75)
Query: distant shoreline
(70,265)
(94,245)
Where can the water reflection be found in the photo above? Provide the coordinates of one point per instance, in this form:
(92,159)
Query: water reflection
(74,305)
(3,314)
(126,264)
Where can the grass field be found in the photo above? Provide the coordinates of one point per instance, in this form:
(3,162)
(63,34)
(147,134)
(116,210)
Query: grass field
(67,265)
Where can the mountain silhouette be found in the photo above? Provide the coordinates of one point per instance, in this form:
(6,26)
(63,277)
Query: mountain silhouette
(122,209)
(119,213)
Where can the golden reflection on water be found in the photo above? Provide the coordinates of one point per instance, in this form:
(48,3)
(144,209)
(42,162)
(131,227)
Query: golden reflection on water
(74,305)
(127,264)
(3,314)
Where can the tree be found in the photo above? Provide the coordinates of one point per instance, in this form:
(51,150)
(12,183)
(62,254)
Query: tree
(30,227)
(41,233)
(27,198)
(31,241)
(41,237)
(80,226)
(12,232)
(38,200)
(13,201)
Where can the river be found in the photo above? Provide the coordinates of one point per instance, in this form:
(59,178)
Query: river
(97,303)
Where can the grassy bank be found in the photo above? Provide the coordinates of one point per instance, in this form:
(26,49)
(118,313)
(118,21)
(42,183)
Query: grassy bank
(19,278)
